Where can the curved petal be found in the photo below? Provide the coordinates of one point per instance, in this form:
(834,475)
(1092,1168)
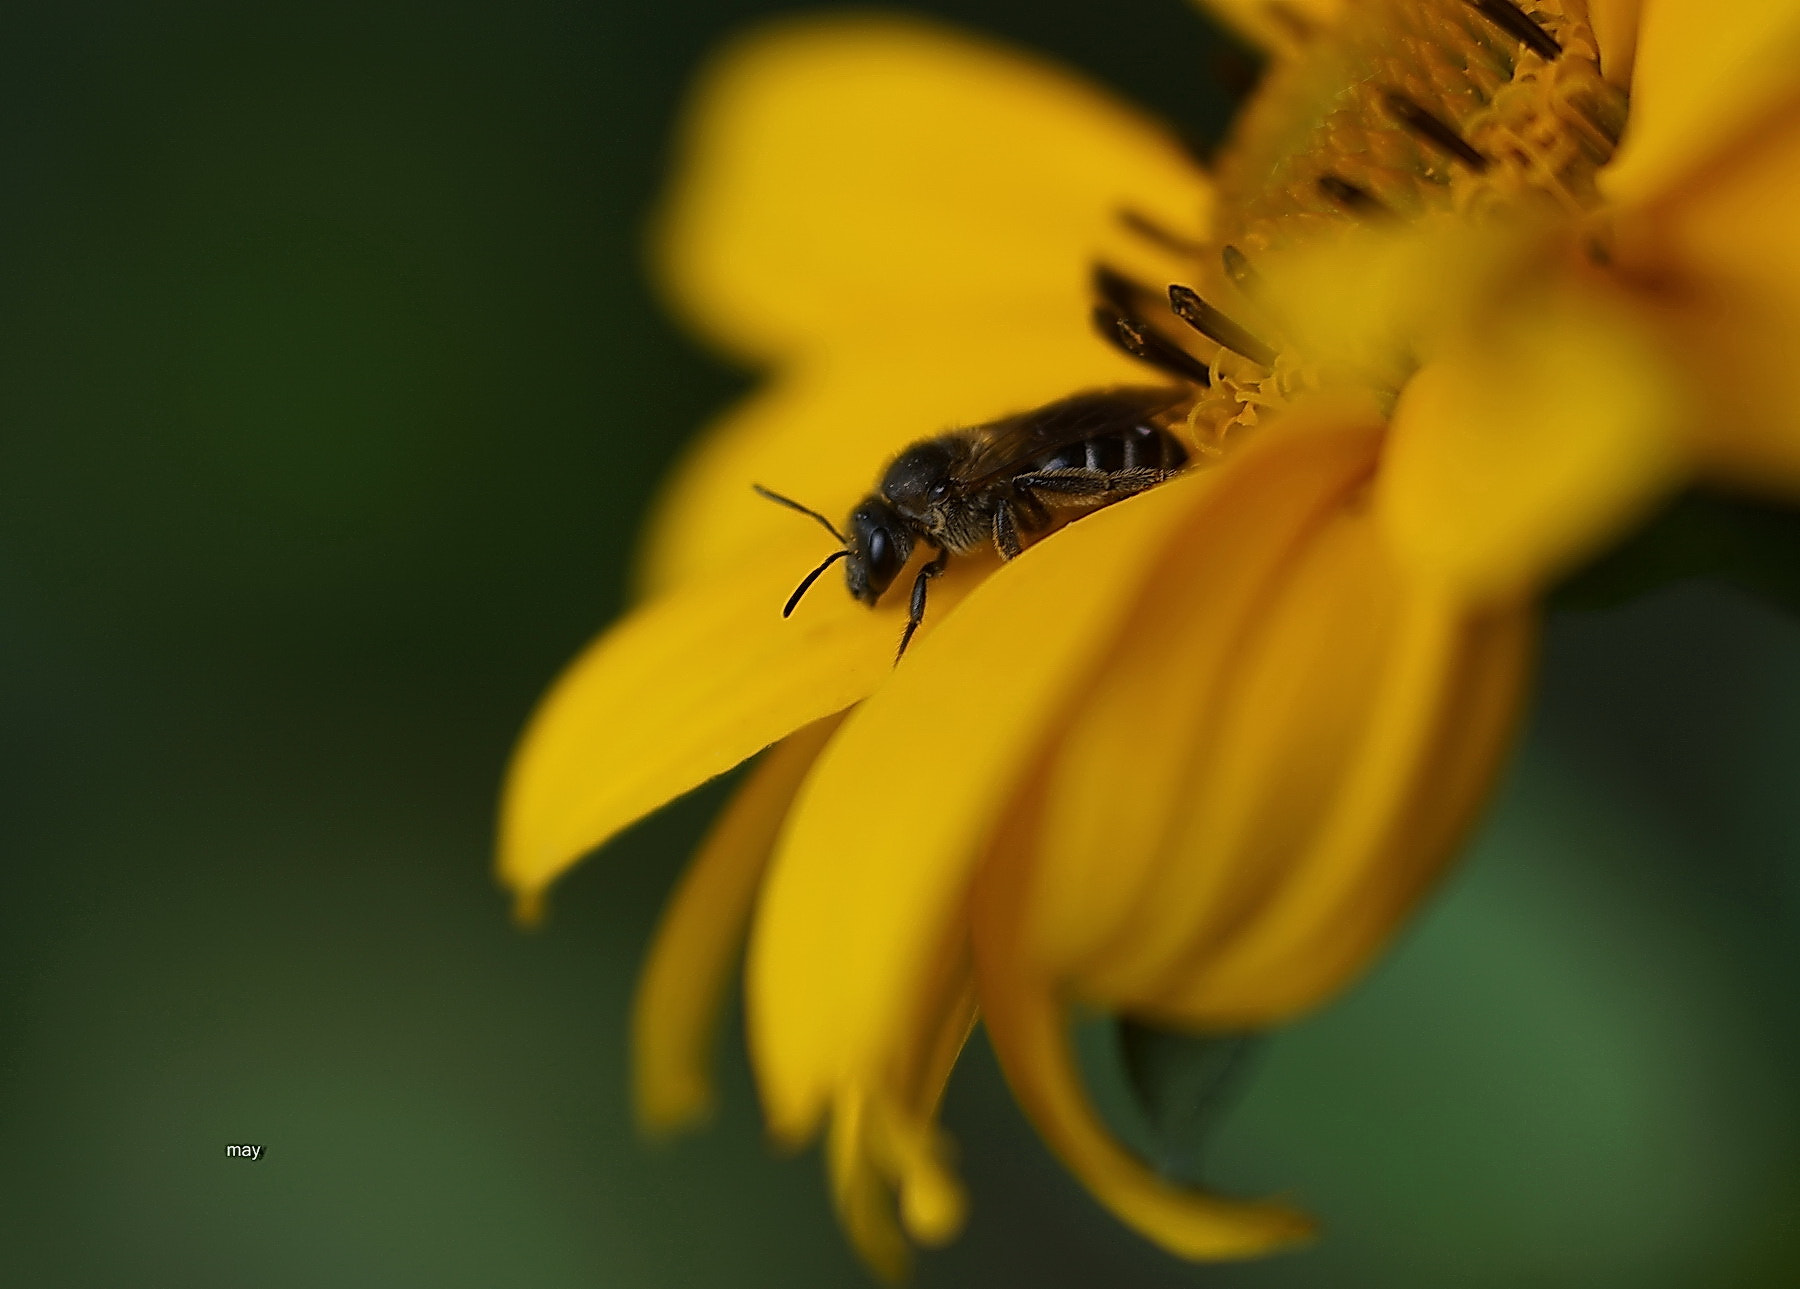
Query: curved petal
(1144,732)
(841,174)
(1302,723)
(868,882)
(1702,75)
(1279,748)
(1030,1038)
(1528,444)
(682,690)
(1445,701)
(1721,257)
(675,1012)
(886,1157)
(823,428)
(1029,1031)
(1616,24)
(860,1195)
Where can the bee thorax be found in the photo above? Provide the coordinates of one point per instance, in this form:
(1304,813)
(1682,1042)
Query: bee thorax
(921,476)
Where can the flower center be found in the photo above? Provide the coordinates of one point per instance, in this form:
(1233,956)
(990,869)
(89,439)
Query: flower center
(1414,106)
(1479,111)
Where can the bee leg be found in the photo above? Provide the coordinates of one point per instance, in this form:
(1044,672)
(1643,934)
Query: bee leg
(1006,531)
(1070,489)
(916,614)
(1076,486)
(1073,483)
(1128,483)
(1029,513)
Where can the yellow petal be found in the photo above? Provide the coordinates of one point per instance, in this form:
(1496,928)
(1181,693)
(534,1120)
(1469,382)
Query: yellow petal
(682,690)
(866,887)
(695,951)
(1443,707)
(1280,744)
(1363,305)
(860,1193)
(1527,444)
(840,175)
(1029,1032)
(1720,256)
(933,1204)
(1140,757)
(1702,77)
(823,429)
(1284,724)
(1615,24)
(1264,757)
(1343,731)
(1279,26)
(885,1156)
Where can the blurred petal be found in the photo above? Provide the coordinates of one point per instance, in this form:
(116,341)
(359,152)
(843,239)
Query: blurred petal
(1702,76)
(868,885)
(1443,706)
(682,690)
(887,1159)
(844,174)
(695,951)
(1721,259)
(1528,443)
(1145,731)
(1027,1026)
(823,428)
(1363,305)
(1616,24)
(1277,746)
(860,1194)
(1302,718)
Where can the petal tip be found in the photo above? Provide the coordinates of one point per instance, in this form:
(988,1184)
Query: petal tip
(935,1212)
(528,910)
(668,1107)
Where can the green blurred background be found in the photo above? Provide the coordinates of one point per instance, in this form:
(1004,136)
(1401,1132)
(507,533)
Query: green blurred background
(333,394)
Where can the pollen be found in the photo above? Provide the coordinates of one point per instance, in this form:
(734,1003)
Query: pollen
(1406,110)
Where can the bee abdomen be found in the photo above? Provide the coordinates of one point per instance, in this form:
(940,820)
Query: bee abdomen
(1140,447)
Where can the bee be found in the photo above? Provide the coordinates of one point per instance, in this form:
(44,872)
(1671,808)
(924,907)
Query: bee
(1001,482)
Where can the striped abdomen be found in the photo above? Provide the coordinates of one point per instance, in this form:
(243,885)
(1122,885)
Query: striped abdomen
(1127,451)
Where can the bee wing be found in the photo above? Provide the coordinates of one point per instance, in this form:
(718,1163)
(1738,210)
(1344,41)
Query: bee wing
(1009,445)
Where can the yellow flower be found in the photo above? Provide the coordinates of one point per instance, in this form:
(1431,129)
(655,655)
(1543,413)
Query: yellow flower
(1194,757)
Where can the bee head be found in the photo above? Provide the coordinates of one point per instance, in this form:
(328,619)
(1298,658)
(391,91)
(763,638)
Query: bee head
(880,543)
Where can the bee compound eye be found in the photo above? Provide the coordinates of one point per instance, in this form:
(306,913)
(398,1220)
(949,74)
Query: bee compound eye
(939,490)
(881,555)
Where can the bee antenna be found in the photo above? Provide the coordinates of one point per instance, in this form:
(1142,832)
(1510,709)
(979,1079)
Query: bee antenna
(804,587)
(791,504)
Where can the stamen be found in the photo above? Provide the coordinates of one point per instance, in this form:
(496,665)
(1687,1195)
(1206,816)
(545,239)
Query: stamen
(1150,230)
(1215,326)
(1520,25)
(1138,339)
(1358,201)
(1238,269)
(1433,130)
